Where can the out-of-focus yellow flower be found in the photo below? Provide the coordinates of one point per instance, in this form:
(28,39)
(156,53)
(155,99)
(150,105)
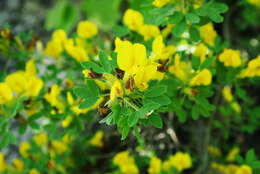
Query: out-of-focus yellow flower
(155,166)
(41,139)
(18,164)
(116,90)
(226,92)
(255,2)
(24,148)
(97,139)
(126,163)
(180,161)
(231,168)
(34,171)
(160,3)
(180,68)
(53,49)
(201,52)
(214,151)
(202,78)
(6,94)
(236,107)
(59,35)
(219,167)
(230,57)
(253,68)
(53,96)
(2,163)
(133,19)
(232,154)
(17,81)
(59,147)
(198,3)
(149,31)
(244,169)
(87,29)
(208,33)
(76,51)
(160,50)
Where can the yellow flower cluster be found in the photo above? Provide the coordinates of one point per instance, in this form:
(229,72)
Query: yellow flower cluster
(230,58)
(96,140)
(134,20)
(76,48)
(160,3)
(41,139)
(180,161)
(126,163)
(255,2)
(214,151)
(231,168)
(132,59)
(208,33)
(21,83)
(155,166)
(253,68)
(228,96)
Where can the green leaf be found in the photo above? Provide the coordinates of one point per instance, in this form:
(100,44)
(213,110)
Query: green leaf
(194,34)
(156,91)
(155,120)
(105,62)
(161,100)
(176,18)
(132,119)
(120,31)
(125,132)
(179,29)
(195,62)
(90,94)
(92,65)
(250,156)
(146,109)
(4,140)
(192,17)
(207,62)
(195,112)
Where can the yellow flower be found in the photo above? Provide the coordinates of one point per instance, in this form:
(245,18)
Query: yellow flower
(76,51)
(129,169)
(30,68)
(41,139)
(232,154)
(96,140)
(87,29)
(6,94)
(244,169)
(202,78)
(130,56)
(116,90)
(18,164)
(23,148)
(230,57)
(201,52)
(155,166)
(180,68)
(208,33)
(253,68)
(181,161)
(34,171)
(232,168)
(133,19)
(167,30)
(53,96)
(159,50)
(59,147)
(255,2)
(53,49)
(160,3)
(149,31)
(17,81)
(226,92)
(236,107)
(59,36)
(2,163)
(214,151)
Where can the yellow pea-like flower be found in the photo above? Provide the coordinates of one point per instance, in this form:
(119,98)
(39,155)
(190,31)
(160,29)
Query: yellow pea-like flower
(202,78)
(226,92)
(53,49)
(244,169)
(59,35)
(23,149)
(6,94)
(34,171)
(160,3)
(133,19)
(149,31)
(208,33)
(180,161)
(230,58)
(253,68)
(160,50)
(87,29)
(18,164)
(41,139)
(116,90)
(201,52)
(96,140)
(155,166)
